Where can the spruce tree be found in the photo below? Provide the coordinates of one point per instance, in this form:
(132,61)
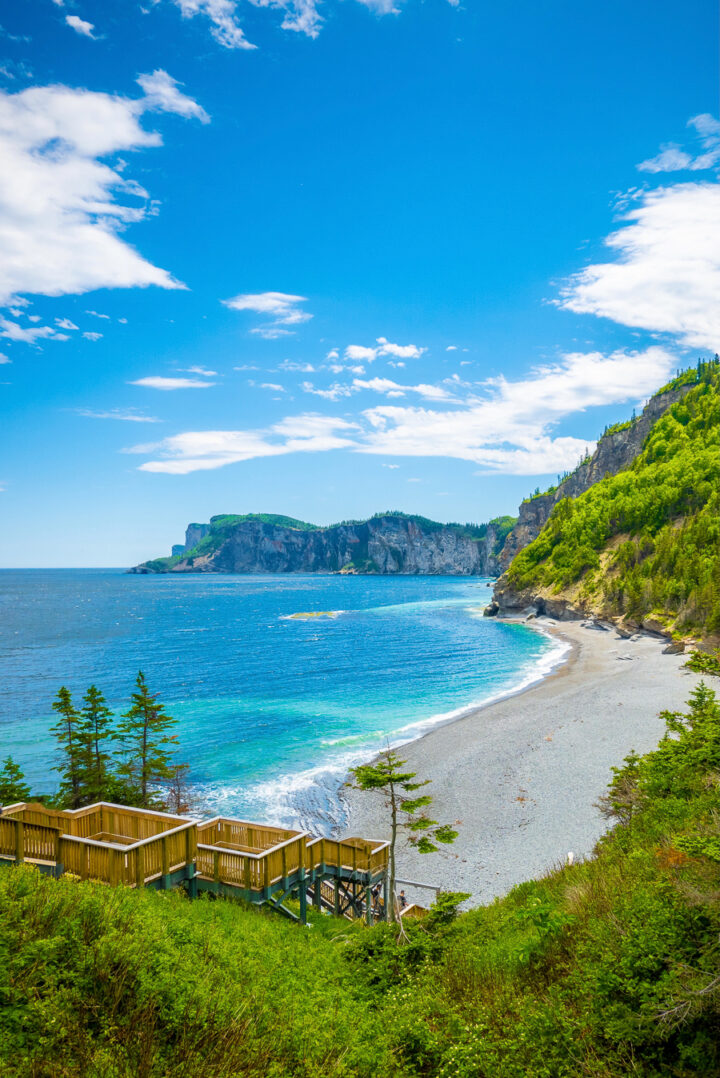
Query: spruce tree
(13,787)
(95,732)
(73,759)
(386,774)
(147,747)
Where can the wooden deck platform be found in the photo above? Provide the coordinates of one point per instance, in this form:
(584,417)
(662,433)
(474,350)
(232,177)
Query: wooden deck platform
(252,861)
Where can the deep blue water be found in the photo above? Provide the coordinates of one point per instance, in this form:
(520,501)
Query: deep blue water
(271,709)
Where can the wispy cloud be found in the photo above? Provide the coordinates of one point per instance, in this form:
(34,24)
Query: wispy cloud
(92,335)
(62,206)
(502,426)
(672,158)
(160,382)
(207,450)
(282,307)
(225,25)
(85,29)
(28,334)
(384,347)
(202,371)
(666,274)
(127,415)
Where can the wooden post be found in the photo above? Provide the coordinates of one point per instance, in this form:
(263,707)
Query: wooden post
(112,867)
(140,866)
(385,896)
(354,858)
(283,856)
(303,901)
(57,856)
(19,840)
(216,866)
(247,875)
(251,836)
(165,870)
(336,897)
(317,892)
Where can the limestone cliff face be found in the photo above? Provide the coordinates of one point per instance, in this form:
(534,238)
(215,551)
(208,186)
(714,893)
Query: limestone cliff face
(385,545)
(193,534)
(614,453)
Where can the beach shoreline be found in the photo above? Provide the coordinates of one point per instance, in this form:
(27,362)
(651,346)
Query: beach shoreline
(520,775)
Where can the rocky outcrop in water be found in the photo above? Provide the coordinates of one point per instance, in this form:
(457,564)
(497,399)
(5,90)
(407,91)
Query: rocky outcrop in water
(615,451)
(384,544)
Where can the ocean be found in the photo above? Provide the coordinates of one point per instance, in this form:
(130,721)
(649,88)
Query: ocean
(272,705)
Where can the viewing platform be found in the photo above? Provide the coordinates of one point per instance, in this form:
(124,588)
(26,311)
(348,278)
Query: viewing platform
(254,862)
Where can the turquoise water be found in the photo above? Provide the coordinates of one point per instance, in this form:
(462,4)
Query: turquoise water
(271,709)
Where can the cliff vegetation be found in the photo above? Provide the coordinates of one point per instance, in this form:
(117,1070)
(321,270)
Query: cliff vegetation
(646,541)
(604,969)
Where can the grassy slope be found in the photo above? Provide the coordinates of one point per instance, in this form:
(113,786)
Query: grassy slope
(647,540)
(603,969)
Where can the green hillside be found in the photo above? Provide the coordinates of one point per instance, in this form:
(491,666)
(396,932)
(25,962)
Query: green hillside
(647,540)
(603,969)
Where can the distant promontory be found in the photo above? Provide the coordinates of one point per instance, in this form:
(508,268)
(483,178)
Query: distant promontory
(387,543)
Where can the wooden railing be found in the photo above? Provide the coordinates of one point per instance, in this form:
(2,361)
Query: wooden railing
(248,869)
(352,854)
(117,844)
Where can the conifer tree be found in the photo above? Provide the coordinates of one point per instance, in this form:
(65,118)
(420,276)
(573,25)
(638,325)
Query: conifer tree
(68,733)
(386,774)
(95,732)
(13,787)
(147,747)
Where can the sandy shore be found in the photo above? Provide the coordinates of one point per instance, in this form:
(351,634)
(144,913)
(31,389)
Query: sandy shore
(520,776)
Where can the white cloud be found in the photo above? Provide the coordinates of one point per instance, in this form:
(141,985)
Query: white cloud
(202,371)
(80,26)
(274,386)
(62,207)
(507,429)
(206,450)
(394,389)
(4,358)
(90,335)
(290,365)
(283,307)
(97,314)
(674,159)
(451,348)
(666,277)
(333,393)
(363,354)
(65,323)
(127,415)
(159,382)
(226,28)
(510,429)
(162,94)
(391,466)
(28,335)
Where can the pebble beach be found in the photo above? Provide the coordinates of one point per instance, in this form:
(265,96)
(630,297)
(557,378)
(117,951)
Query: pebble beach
(520,776)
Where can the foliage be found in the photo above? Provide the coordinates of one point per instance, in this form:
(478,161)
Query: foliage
(95,730)
(386,775)
(67,732)
(147,748)
(604,969)
(666,505)
(13,787)
(701,662)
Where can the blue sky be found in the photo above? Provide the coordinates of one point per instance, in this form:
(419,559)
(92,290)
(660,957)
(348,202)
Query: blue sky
(427,251)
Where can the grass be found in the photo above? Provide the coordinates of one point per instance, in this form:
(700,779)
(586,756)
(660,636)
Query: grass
(603,969)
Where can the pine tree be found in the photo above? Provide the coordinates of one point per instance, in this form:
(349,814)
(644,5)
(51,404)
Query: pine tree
(73,759)
(386,774)
(95,732)
(13,787)
(147,748)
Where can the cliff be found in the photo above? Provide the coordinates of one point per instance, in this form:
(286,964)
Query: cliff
(615,451)
(389,543)
(638,546)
